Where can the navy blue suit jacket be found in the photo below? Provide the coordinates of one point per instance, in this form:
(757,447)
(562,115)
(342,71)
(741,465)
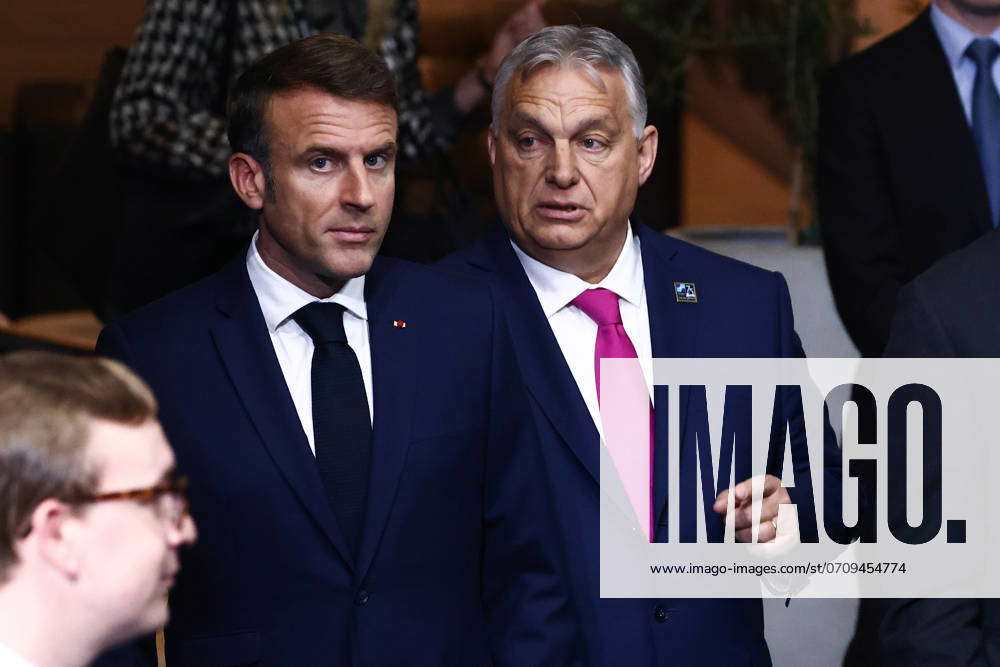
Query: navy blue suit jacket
(742,311)
(451,569)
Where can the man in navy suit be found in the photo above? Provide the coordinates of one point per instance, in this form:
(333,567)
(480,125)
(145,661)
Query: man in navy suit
(362,469)
(569,146)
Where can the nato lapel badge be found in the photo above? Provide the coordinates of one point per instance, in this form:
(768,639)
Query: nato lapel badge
(685,293)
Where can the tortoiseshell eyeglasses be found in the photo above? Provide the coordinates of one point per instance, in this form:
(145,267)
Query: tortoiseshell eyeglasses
(168,498)
(171,494)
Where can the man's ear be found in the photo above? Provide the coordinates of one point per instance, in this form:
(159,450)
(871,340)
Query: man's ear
(55,536)
(247,177)
(647,152)
(491,146)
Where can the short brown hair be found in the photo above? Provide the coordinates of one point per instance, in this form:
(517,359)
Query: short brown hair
(46,402)
(333,64)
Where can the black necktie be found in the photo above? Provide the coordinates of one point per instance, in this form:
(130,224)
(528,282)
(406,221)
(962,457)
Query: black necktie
(342,428)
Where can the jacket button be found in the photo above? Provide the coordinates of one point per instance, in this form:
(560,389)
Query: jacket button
(660,614)
(362,599)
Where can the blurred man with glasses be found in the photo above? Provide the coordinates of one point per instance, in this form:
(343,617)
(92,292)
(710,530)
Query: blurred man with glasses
(91,515)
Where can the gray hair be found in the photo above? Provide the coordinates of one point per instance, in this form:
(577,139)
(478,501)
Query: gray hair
(588,47)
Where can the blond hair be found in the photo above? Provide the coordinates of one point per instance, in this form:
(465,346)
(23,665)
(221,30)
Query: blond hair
(47,401)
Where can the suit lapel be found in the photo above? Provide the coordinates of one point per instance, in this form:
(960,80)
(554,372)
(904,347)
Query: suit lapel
(673,330)
(243,343)
(393,350)
(543,366)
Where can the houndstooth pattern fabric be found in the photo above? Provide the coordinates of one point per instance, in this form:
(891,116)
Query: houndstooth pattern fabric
(169,107)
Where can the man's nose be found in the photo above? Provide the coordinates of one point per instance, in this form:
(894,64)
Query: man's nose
(356,191)
(562,171)
(184,532)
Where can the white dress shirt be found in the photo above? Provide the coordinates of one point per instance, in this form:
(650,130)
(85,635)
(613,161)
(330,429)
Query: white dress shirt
(279,299)
(576,333)
(10,659)
(955,39)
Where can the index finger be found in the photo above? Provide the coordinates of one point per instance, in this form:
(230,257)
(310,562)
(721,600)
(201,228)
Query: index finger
(771,484)
(719,506)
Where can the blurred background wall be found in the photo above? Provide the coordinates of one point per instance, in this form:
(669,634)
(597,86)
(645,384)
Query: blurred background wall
(59,42)
(724,178)
(726,165)
(735,163)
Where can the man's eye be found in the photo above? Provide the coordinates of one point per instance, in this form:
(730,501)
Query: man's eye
(320,163)
(375,161)
(526,142)
(592,144)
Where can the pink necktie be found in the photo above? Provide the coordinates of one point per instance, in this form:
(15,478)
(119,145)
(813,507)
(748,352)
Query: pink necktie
(623,394)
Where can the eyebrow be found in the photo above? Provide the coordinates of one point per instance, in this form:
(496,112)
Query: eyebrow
(168,474)
(526,119)
(388,148)
(605,122)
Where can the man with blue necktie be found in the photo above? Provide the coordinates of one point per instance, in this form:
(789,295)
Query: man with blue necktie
(909,158)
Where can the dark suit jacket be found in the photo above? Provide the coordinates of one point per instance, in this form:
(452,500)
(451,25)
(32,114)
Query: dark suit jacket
(951,310)
(963,323)
(899,179)
(742,311)
(451,569)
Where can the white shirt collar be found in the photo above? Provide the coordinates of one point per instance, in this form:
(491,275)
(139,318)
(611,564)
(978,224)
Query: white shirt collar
(955,37)
(8,658)
(557,288)
(279,299)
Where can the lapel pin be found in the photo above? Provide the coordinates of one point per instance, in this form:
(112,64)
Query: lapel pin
(685,293)
(399,324)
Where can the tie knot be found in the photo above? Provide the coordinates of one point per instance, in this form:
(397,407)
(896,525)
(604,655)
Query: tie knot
(983,51)
(323,321)
(600,304)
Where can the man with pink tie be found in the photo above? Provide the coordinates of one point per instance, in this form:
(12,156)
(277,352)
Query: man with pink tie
(580,281)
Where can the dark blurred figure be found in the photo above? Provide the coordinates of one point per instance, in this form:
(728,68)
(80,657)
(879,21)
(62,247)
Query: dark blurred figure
(180,218)
(938,631)
(909,158)
(909,171)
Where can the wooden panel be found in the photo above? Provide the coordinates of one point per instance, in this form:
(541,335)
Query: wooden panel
(717,97)
(77,329)
(888,17)
(723,186)
(59,41)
